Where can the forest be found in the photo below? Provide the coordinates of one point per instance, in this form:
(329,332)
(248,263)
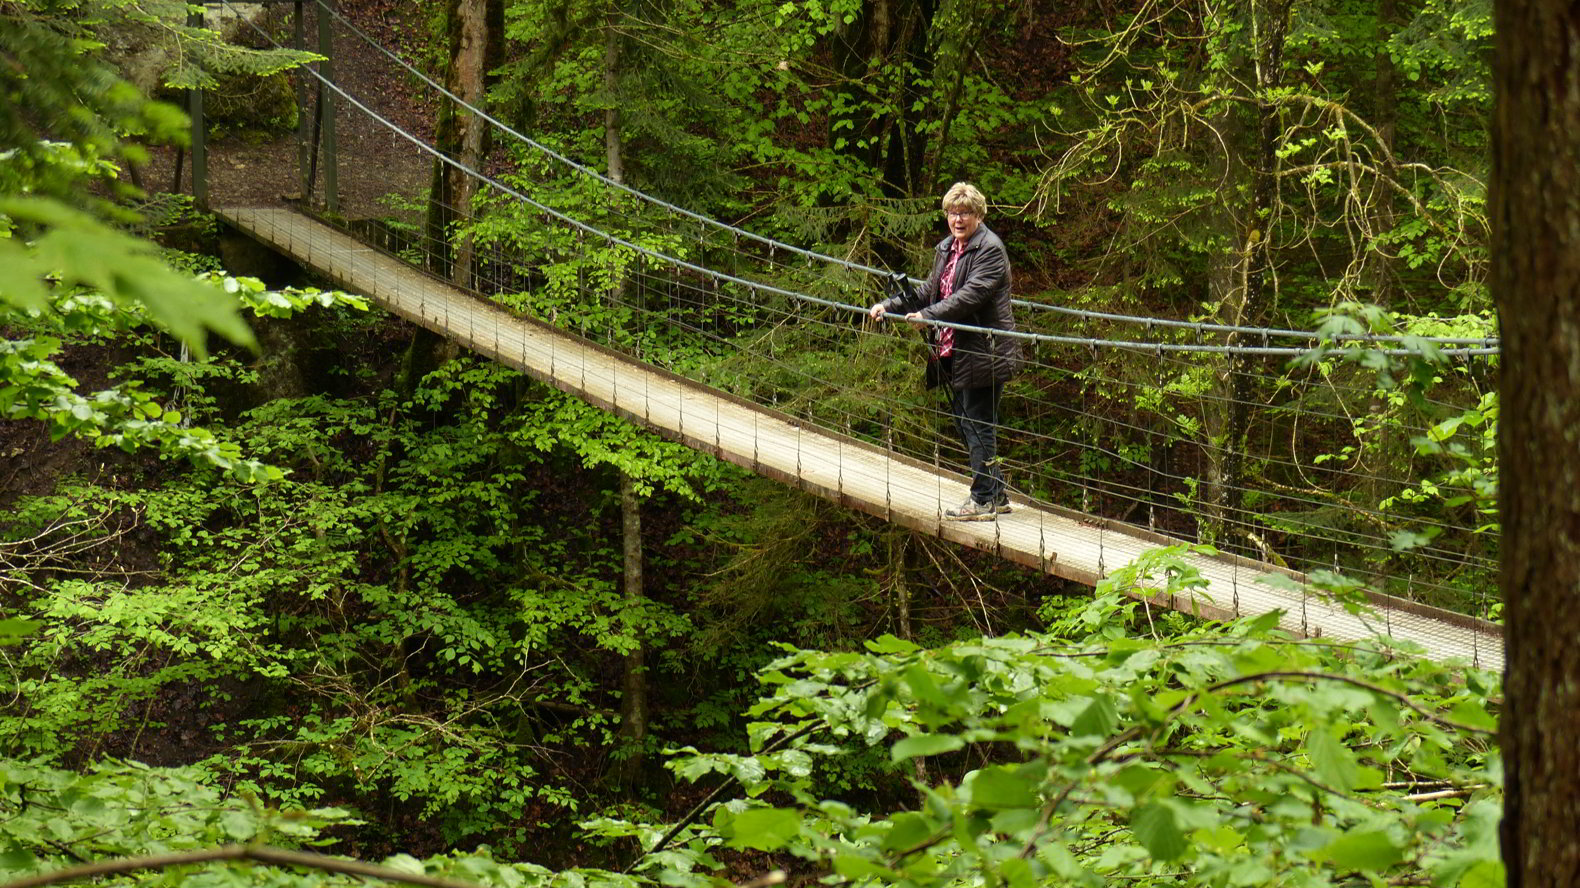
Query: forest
(294,591)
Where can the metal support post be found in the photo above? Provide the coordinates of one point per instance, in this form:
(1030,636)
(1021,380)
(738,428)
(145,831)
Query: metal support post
(304,124)
(326,108)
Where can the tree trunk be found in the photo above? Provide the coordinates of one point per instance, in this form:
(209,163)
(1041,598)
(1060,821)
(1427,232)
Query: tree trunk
(633,699)
(885,48)
(1535,214)
(1223,275)
(613,147)
(475,34)
(1386,117)
(899,561)
(958,33)
(1251,293)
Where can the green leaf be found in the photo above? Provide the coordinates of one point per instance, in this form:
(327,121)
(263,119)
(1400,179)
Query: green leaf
(1099,718)
(924,687)
(14,628)
(889,644)
(1484,874)
(925,744)
(1371,851)
(17,860)
(1002,786)
(406,863)
(765,829)
(1333,762)
(1158,831)
(1471,713)
(1138,780)
(1017,873)
(908,830)
(852,866)
(239,826)
(20,278)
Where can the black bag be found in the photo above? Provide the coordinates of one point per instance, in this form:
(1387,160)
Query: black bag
(939,370)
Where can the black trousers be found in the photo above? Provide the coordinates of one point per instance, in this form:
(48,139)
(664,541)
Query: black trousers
(976,418)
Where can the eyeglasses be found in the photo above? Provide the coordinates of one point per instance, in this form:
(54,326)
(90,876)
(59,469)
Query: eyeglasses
(959,214)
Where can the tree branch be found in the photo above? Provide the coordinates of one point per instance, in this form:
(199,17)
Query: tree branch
(1344,679)
(260,853)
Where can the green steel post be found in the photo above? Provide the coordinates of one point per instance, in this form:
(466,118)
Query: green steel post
(304,126)
(327,109)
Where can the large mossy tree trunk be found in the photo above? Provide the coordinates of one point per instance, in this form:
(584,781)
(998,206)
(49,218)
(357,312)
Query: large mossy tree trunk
(1535,200)
(474,33)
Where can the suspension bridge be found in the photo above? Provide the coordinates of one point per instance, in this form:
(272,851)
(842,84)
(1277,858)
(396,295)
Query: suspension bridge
(754,350)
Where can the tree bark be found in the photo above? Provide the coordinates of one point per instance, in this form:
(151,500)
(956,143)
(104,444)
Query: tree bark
(899,559)
(1535,204)
(1251,295)
(614,150)
(1386,115)
(886,46)
(1270,29)
(958,32)
(633,699)
(475,34)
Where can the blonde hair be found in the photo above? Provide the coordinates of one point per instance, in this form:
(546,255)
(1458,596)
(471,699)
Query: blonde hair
(965,196)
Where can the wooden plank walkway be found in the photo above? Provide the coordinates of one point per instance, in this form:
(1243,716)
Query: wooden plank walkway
(852,473)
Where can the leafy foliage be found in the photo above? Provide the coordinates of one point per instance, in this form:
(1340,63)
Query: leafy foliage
(398,619)
(1220,754)
(1217,755)
(125,809)
(64,272)
(118,284)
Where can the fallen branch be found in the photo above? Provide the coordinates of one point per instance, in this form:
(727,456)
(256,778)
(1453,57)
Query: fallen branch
(260,853)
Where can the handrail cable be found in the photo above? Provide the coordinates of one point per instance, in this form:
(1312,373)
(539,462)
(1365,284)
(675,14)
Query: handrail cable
(1359,540)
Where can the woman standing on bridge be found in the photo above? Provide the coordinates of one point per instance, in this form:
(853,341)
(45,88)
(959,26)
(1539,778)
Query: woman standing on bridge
(969,284)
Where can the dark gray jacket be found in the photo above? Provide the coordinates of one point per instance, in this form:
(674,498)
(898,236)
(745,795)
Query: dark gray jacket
(980,299)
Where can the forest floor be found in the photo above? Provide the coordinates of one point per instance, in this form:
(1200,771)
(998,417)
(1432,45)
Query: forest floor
(378,169)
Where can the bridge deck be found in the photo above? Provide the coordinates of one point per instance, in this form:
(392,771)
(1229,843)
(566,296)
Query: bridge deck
(850,472)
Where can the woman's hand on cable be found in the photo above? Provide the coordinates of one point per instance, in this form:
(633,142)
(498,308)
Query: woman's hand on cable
(916,320)
(876,312)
